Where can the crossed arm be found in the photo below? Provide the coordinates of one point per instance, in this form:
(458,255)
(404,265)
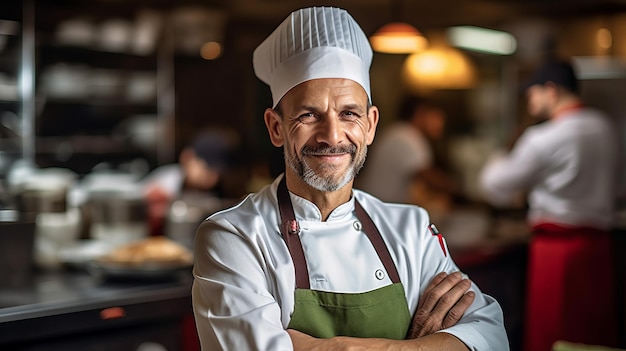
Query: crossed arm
(442,305)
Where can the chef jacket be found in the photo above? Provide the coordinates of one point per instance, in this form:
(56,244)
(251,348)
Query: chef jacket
(568,165)
(244,282)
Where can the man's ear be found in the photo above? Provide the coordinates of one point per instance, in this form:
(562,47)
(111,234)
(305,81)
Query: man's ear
(274,124)
(372,118)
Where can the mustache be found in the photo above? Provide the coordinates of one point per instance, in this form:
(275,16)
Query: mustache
(328,150)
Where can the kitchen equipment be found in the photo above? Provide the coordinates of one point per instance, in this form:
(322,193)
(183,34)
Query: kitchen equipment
(42,190)
(114,35)
(182,221)
(34,200)
(41,198)
(114,207)
(186,213)
(118,218)
(54,231)
(16,252)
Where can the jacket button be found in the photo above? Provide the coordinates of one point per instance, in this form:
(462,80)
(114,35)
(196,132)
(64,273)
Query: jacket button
(380,275)
(357,226)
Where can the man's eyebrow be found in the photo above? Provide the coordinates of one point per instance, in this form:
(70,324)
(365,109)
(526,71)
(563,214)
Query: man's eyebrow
(345,107)
(353,107)
(309,108)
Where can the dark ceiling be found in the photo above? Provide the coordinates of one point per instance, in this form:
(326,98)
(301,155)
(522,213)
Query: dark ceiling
(371,14)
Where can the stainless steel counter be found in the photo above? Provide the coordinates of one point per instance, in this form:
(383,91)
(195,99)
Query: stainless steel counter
(55,307)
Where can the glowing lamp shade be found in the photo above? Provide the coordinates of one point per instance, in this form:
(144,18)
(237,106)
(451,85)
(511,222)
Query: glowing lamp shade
(398,38)
(482,40)
(211,50)
(438,68)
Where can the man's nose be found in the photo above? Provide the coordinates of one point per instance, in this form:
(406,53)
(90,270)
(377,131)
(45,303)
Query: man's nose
(330,131)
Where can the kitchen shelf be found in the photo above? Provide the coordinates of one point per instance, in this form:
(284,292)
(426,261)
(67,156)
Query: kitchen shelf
(58,53)
(88,92)
(86,144)
(93,87)
(113,102)
(84,152)
(10,56)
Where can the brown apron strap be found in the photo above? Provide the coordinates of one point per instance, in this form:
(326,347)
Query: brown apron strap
(290,230)
(373,234)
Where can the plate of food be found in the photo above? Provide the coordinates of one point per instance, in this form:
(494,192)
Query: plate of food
(151,258)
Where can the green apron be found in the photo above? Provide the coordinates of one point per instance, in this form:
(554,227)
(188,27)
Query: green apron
(381,313)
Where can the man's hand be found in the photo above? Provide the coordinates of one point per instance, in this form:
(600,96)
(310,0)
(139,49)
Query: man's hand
(437,341)
(442,305)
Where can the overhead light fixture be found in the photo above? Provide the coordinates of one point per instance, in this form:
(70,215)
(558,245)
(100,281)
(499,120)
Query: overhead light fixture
(398,38)
(604,38)
(482,40)
(211,50)
(440,67)
(599,67)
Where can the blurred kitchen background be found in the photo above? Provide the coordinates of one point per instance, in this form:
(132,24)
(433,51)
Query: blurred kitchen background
(96,94)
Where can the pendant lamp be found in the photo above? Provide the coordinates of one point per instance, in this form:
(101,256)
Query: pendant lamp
(398,38)
(439,67)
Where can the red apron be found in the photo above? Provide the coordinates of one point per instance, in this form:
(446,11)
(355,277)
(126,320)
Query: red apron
(571,288)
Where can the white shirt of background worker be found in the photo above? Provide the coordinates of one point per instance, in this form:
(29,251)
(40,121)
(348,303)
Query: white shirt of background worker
(308,263)
(400,153)
(568,167)
(567,164)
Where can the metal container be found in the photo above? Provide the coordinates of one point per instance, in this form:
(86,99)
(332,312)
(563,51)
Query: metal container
(16,252)
(118,218)
(182,222)
(34,201)
(186,213)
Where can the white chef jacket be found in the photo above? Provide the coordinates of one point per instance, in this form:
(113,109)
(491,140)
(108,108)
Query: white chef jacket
(243,291)
(569,167)
(398,155)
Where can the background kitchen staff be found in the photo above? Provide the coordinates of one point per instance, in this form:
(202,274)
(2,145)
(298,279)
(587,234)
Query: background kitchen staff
(568,166)
(308,262)
(404,156)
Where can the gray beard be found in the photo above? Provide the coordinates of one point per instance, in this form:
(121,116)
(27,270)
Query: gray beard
(326,184)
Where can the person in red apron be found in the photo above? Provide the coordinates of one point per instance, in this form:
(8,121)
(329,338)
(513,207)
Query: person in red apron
(310,263)
(568,166)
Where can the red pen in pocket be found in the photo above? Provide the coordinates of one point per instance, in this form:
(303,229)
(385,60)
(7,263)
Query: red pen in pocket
(434,231)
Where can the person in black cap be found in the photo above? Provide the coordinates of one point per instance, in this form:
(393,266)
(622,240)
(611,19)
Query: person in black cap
(567,166)
(200,172)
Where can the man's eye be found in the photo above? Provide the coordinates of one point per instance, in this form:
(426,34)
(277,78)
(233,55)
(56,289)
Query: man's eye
(307,117)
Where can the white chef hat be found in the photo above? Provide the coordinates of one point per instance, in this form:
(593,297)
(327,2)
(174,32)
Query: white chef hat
(315,42)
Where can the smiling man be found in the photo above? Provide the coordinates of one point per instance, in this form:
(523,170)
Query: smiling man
(308,262)
(324,126)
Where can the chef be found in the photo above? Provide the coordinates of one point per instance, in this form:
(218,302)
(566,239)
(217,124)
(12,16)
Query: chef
(308,262)
(568,167)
